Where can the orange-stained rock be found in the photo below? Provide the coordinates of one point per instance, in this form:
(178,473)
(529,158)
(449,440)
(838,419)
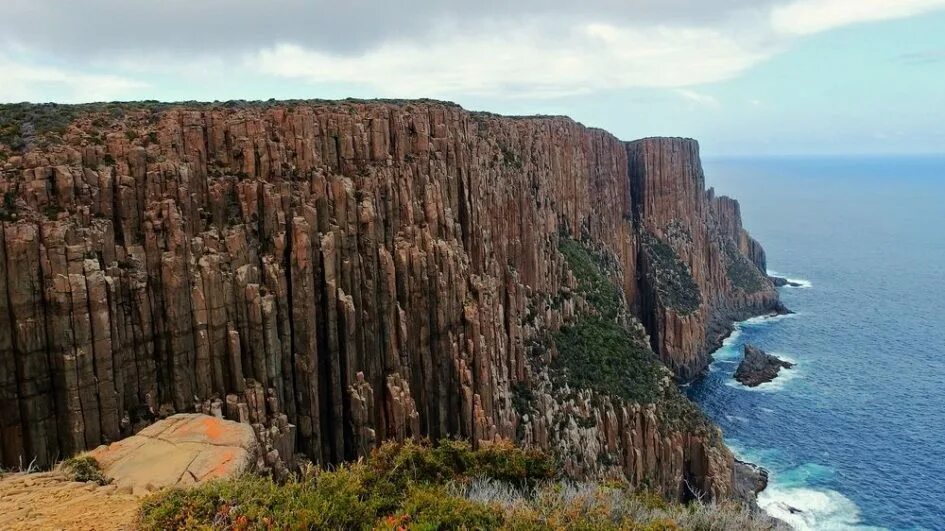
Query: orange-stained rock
(178,451)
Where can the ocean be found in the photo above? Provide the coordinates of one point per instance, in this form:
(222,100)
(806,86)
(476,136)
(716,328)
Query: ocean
(854,435)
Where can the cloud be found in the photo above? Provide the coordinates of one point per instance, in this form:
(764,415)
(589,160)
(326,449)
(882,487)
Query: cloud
(101,27)
(804,17)
(702,100)
(23,81)
(410,48)
(524,61)
(923,57)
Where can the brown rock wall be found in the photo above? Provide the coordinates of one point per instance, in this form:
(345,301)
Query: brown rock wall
(378,268)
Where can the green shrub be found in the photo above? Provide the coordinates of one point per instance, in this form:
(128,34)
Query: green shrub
(523,398)
(741,271)
(603,356)
(670,276)
(596,288)
(333,500)
(397,479)
(84,468)
(433,508)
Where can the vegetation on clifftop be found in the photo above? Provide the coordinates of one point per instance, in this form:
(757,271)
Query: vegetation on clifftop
(419,486)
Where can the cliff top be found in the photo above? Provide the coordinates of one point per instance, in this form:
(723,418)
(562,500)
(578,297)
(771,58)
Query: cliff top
(22,121)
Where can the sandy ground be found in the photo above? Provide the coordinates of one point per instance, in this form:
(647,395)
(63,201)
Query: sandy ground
(50,501)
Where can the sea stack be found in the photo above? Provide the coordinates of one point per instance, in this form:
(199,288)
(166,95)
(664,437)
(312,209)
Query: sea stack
(758,367)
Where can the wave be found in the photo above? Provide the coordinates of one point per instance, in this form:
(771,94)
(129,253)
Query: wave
(736,418)
(792,497)
(784,377)
(806,508)
(764,319)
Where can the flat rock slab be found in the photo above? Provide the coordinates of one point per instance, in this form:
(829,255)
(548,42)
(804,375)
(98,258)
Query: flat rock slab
(179,451)
(50,500)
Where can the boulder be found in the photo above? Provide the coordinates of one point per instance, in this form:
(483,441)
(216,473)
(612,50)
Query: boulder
(178,451)
(758,367)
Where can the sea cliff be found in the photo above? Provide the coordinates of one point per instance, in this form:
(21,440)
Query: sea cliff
(341,273)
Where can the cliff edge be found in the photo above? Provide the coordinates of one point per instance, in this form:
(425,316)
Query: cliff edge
(340,273)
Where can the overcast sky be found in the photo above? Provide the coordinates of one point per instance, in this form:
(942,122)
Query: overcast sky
(743,76)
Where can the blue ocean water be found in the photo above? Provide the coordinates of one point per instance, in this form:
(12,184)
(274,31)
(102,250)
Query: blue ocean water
(854,436)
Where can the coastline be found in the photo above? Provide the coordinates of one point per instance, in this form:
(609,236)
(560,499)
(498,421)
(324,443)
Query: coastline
(786,494)
(751,479)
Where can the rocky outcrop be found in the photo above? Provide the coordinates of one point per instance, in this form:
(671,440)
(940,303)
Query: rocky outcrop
(750,480)
(340,273)
(780,282)
(179,451)
(758,367)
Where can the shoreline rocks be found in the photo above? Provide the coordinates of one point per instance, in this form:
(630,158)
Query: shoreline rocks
(780,282)
(758,367)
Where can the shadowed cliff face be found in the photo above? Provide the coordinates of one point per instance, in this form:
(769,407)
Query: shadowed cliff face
(342,273)
(682,223)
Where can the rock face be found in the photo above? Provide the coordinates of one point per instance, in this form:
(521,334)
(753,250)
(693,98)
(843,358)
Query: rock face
(179,451)
(750,480)
(703,234)
(339,273)
(758,367)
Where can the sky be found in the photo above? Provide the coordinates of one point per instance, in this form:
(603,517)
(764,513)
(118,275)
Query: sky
(745,77)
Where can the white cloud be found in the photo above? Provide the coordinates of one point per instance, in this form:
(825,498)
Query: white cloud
(544,49)
(525,61)
(703,100)
(23,81)
(804,17)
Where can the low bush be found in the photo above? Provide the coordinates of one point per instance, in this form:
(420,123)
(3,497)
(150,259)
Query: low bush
(398,482)
(743,274)
(598,354)
(84,468)
(425,487)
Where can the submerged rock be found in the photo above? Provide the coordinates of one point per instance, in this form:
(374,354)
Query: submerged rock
(758,367)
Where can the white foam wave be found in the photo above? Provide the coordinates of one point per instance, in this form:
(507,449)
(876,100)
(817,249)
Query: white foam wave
(806,508)
(800,283)
(765,319)
(733,337)
(784,377)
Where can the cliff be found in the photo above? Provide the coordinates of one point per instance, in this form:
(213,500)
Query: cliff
(339,273)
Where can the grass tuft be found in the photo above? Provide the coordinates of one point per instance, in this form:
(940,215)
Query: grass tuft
(84,468)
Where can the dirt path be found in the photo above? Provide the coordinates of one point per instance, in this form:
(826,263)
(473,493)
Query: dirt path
(50,501)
